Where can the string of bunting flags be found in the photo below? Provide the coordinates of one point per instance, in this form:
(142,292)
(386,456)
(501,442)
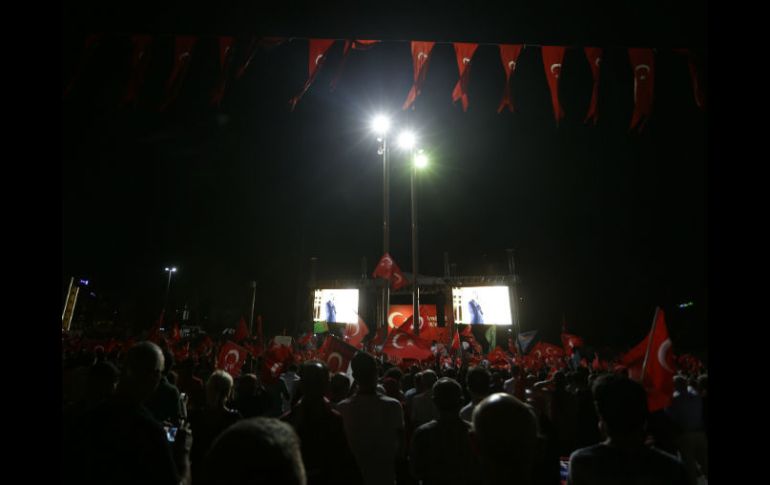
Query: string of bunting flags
(235,56)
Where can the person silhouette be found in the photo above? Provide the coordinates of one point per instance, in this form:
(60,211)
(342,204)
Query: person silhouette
(474,308)
(331,311)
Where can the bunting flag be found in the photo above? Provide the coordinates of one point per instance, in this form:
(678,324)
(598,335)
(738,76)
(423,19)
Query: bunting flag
(231,358)
(695,76)
(553,56)
(464,52)
(317,49)
(140,59)
(355,332)
(405,346)
(225,59)
(643,65)
(594,56)
(653,361)
(389,270)
(337,354)
(182,55)
(509,54)
(91,44)
(358,44)
(242,331)
(256,43)
(420,60)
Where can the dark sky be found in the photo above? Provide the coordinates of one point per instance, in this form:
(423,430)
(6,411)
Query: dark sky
(606,224)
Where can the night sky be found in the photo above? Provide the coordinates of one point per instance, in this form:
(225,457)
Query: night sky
(606,224)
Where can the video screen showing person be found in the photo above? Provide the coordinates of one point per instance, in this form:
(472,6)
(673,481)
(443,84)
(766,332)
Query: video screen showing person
(336,306)
(482,305)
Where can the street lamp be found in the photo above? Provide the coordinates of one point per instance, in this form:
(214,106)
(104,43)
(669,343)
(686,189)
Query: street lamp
(170,271)
(381,126)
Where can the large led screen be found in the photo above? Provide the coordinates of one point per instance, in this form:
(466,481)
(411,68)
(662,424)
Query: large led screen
(487,305)
(336,306)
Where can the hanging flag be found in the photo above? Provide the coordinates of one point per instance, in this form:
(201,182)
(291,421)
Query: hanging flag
(256,43)
(242,331)
(225,59)
(509,54)
(231,358)
(643,65)
(337,354)
(553,56)
(464,52)
(389,270)
(653,360)
(695,75)
(355,332)
(91,43)
(317,49)
(358,44)
(420,60)
(140,59)
(182,55)
(594,56)
(401,344)
(524,340)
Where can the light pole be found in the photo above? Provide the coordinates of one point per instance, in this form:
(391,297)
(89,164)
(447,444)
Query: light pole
(407,141)
(170,271)
(381,126)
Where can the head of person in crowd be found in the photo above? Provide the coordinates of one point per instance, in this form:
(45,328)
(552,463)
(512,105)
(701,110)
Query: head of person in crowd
(247,386)
(293,368)
(429,378)
(559,380)
(680,384)
(314,380)
(621,404)
(168,362)
(339,387)
(407,382)
(448,397)
(218,389)
(101,382)
(506,439)
(142,372)
(365,372)
(252,451)
(394,373)
(477,381)
(418,387)
(450,372)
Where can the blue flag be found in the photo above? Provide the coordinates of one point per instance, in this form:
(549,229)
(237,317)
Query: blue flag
(525,340)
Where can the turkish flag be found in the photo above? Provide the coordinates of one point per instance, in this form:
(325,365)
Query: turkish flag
(497,357)
(256,42)
(541,350)
(456,340)
(659,374)
(388,269)
(405,346)
(464,52)
(242,332)
(231,358)
(553,56)
(509,54)
(337,354)
(643,65)
(140,59)
(182,57)
(570,342)
(594,56)
(420,60)
(355,332)
(358,44)
(317,49)
(225,59)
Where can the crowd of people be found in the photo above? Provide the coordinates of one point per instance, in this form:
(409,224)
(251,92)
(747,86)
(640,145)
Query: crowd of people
(138,416)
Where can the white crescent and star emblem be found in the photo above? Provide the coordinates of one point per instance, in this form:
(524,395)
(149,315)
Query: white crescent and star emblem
(420,55)
(318,58)
(512,65)
(392,317)
(598,61)
(643,75)
(332,356)
(398,278)
(358,329)
(554,68)
(663,354)
(466,60)
(231,362)
(395,341)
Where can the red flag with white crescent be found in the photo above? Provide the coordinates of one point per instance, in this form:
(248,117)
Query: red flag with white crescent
(225,59)
(140,59)
(594,56)
(553,57)
(242,331)
(317,49)
(388,269)
(405,346)
(337,354)
(464,52)
(696,76)
(659,373)
(359,45)
(182,55)
(420,60)
(643,66)
(256,42)
(509,55)
(456,341)
(231,358)
(355,332)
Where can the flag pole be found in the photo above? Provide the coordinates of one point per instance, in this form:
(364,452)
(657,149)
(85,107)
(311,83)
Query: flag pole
(649,344)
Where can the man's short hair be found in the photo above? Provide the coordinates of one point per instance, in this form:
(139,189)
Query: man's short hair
(256,450)
(477,380)
(364,368)
(506,432)
(142,359)
(447,395)
(220,383)
(621,403)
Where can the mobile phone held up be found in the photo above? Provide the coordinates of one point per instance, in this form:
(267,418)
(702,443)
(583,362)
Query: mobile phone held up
(171,433)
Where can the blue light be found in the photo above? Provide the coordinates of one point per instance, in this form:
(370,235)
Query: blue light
(84,282)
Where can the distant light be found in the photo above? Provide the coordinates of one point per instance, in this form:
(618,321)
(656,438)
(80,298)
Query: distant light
(84,282)
(173,270)
(381,124)
(421,160)
(686,305)
(406,140)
